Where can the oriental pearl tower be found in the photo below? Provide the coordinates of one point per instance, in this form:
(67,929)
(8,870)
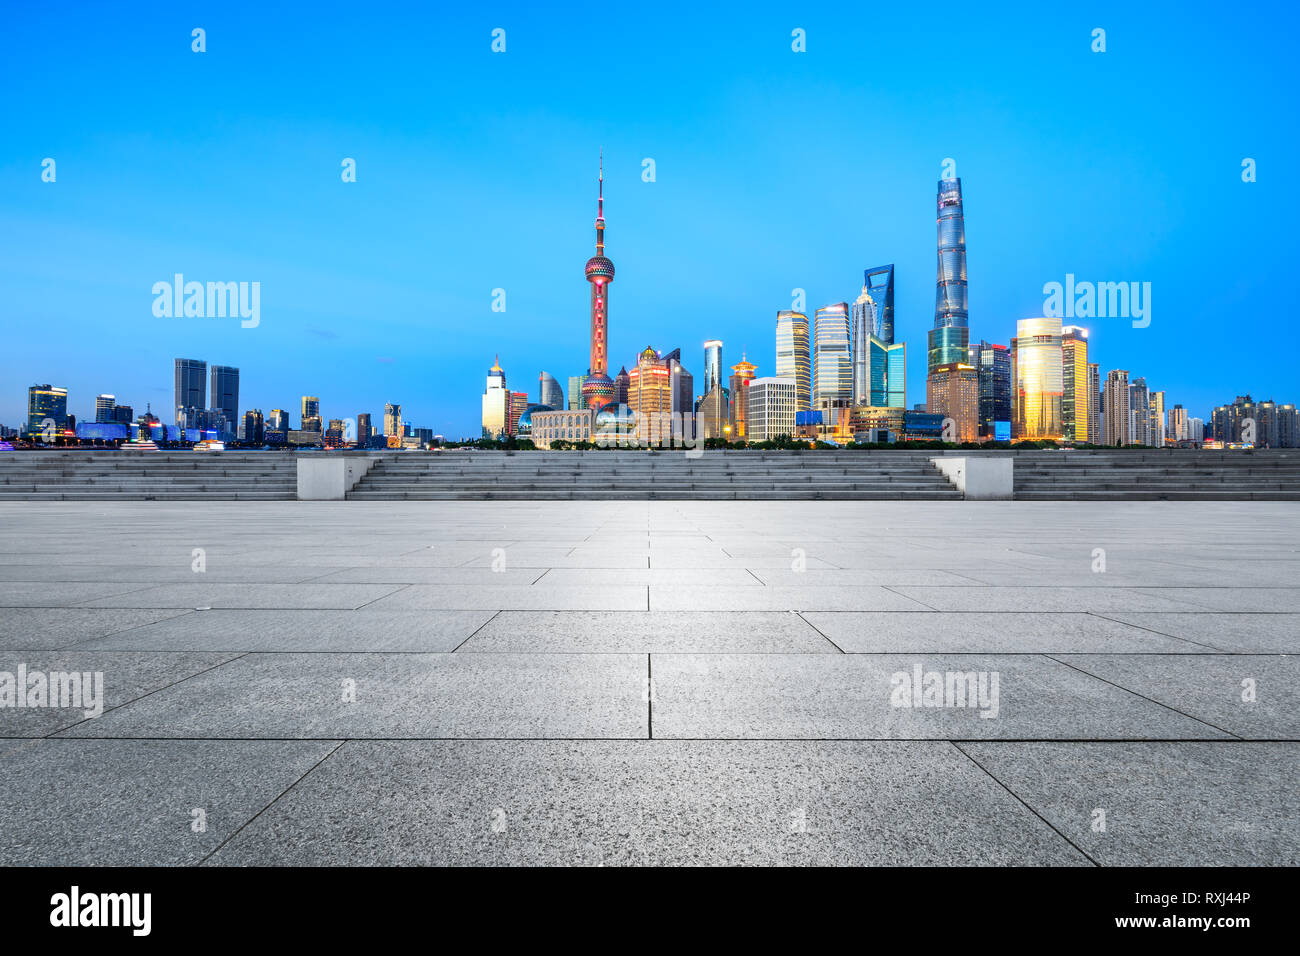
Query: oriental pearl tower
(598,389)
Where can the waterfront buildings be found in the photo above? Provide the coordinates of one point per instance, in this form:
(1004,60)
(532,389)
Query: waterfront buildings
(770,407)
(1036,377)
(1139,413)
(1116,408)
(792,355)
(1074,384)
(953,392)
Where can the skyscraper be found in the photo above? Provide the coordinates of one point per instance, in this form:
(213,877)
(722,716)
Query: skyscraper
(886,384)
(1036,380)
(191,387)
(364,431)
(1074,383)
(254,427)
(1156,419)
(393,413)
(309,417)
(1094,404)
(650,386)
(105,406)
(994,364)
(949,337)
(225,391)
(872,315)
(575,391)
(47,409)
(549,392)
(792,355)
(598,389)
(742,373)
(496,404)
(1117,407)
(953,391)
(832,361)
(1139,412)
(620,387)
(518,405)
(712,365)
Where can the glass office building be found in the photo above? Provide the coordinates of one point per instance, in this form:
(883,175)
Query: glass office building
(792,355)
(832,361)
(1036,370)
(1075,406)
(190,385)
(46,403)
(949,337)
(712,365)
(994,364)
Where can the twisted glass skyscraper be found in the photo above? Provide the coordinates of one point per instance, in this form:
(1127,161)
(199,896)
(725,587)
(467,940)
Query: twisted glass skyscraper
(950,335)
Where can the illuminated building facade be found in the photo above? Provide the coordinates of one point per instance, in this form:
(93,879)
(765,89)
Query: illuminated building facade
(650,385)
(1156,419)
(393,413)
(872,316)
(1036,379)
(792,355)
(224,393)
(742,373)
(575,391)
(598,389)
(713,414)
(953,392)
(190,387)
(571,425)
(518,403)
(105,408)
(496,404)
(832,363)
(620,386)
(1074,383)
(950,335)
(46,403)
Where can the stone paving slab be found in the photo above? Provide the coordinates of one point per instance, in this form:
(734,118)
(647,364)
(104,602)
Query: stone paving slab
(249,630)
(48,628)
(437,597)
(700,803)
(125,677)
(852,696)
(1185,804)
(648,632)
(1092,599)
(131,802)
(396,695)
(1010,632)
(776,598)
(268,596)
(1247,633)
(1254,696)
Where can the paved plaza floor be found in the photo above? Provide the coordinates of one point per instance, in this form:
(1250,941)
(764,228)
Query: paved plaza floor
(659,682)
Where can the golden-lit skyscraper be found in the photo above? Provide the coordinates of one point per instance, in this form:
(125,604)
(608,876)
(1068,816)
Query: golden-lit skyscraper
(793,360)
(649,385)
(1036,380)
(1075,406)
(742,373)
(496,405)
(953,391)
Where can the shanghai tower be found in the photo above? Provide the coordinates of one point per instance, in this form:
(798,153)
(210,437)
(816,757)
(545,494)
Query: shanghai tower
(598,389)
(949,337)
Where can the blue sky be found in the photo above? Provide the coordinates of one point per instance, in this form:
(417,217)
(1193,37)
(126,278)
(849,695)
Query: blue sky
(775,170)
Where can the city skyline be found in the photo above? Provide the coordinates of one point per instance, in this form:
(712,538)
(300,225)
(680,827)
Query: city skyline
(381,290)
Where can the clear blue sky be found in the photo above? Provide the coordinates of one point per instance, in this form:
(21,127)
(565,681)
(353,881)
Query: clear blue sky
(775,170)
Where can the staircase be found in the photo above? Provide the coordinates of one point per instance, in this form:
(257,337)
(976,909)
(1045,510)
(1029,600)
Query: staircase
(106,474)
(1158,474)
(750,475)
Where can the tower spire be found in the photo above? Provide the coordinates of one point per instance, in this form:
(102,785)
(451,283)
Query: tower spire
(600,206)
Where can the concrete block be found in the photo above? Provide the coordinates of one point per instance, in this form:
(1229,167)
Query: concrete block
(979,478)
(330,479)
